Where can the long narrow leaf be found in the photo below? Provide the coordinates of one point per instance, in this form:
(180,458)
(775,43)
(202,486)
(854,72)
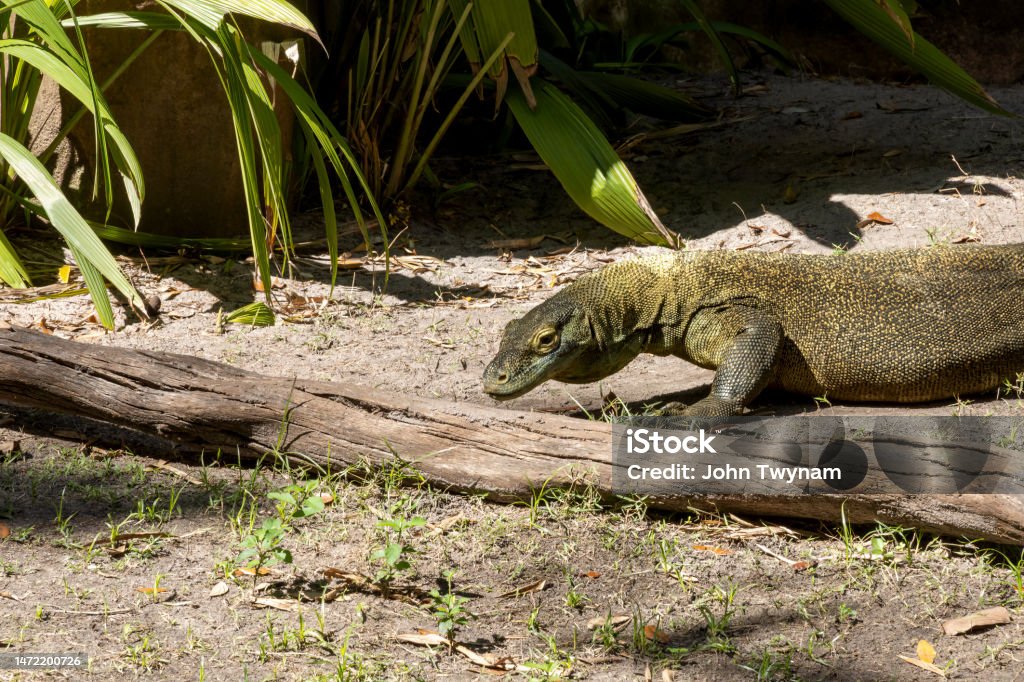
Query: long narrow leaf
(74,84)
(12,270)
(62,62)
(97,287)
(235,86)
(120,235)
(874,22)
(651,42)
(494,20)
(327,201)
(601,108)
(327,137)
(490,24)
(716,41)
(149,20)
(42,19)
(211,13)
(586,165)
(102,177)
(474,82)
(68,221)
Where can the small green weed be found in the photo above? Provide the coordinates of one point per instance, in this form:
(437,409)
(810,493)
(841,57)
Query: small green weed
(264,546)
(394,555)
(449,610)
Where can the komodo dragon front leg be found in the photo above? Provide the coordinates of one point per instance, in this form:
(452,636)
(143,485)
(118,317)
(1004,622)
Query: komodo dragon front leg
(740,342)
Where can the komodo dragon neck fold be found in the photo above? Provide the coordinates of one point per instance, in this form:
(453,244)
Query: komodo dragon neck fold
(905,325)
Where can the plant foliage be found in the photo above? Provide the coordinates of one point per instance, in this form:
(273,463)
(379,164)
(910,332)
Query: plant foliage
(42,39)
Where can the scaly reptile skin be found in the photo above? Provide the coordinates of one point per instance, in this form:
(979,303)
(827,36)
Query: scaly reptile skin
(900,326)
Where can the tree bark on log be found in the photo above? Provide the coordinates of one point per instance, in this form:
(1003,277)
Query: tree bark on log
(201,406)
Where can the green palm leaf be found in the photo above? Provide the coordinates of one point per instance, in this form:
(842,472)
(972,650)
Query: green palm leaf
(90,252)
(586,165)
(891,29)
(78,86)
(210,13)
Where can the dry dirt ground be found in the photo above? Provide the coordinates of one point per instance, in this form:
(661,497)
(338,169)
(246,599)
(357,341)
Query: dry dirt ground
(132,561)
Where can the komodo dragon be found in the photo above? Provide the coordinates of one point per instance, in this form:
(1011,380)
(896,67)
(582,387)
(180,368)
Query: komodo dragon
(900,326)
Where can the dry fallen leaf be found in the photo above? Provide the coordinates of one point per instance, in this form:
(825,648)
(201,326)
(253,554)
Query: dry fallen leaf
(930,667)
(151,590)
(613,621)
(790,194)
(925,651)
(162,465)
(245,570)
(356,579)
(275,283)
(350,263)
(874,218)
(997,615)
(279,604)
(450,523)
(592,574)
(5,531)
(716,550)
(422,637)
(524,589)
(219,590)
(525,243)
(652,633)
(130,536)
(489,661)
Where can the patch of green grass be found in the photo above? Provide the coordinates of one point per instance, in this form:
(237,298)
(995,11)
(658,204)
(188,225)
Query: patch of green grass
(141,649)
(62,522)
(574,598)
(281,636)
(157,512)
(718,607)
(605,635)
(770,665)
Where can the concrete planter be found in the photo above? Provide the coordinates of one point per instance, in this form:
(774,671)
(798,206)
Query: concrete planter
(172,108)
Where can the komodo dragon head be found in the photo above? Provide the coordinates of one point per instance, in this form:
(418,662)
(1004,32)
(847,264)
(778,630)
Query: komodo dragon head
(555,340)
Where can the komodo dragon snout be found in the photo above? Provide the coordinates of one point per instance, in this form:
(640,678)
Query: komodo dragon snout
(536,347)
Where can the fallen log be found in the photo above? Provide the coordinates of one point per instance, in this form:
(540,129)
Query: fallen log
(202,406)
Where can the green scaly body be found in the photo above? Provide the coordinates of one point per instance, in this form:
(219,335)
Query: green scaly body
(901,326)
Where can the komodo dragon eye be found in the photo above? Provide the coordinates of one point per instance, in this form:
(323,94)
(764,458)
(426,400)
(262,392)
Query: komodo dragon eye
(546,340)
